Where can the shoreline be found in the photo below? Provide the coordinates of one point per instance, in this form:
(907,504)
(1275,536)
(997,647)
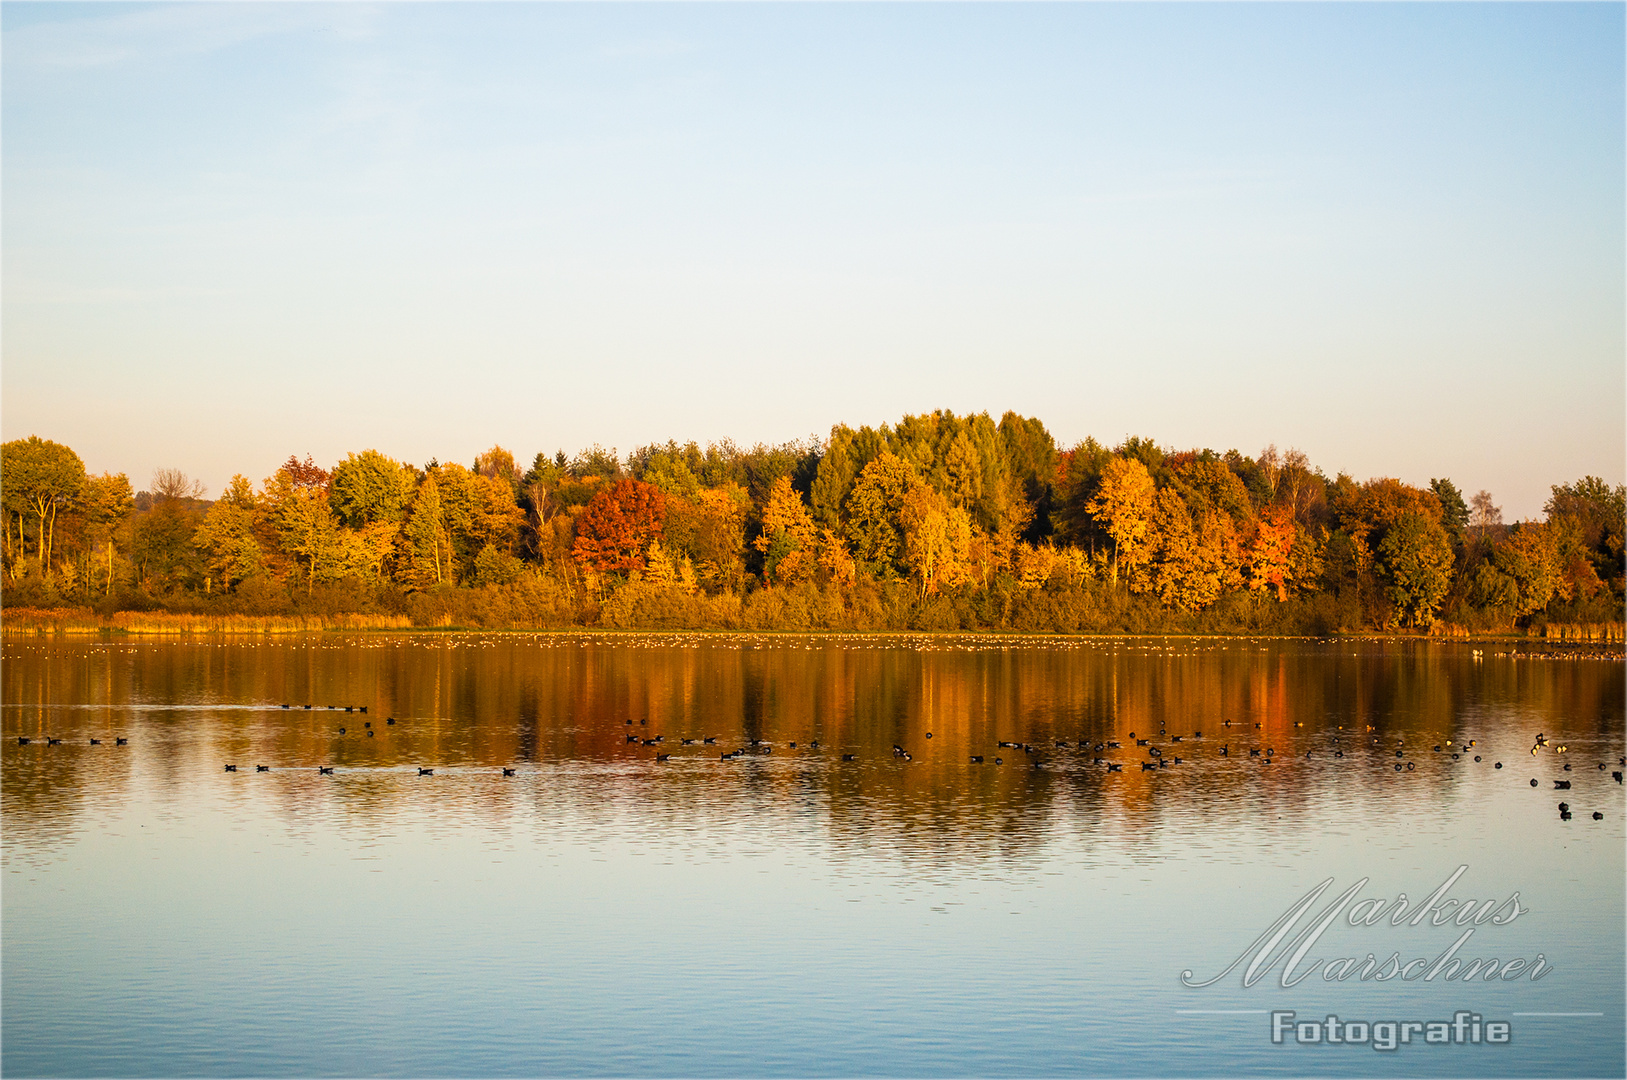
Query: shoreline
(1603,641)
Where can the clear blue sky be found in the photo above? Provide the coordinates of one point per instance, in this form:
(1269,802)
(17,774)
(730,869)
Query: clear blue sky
(1390,235)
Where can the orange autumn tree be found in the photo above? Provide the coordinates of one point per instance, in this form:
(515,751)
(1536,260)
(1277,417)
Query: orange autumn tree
(1270,550)
(616,528)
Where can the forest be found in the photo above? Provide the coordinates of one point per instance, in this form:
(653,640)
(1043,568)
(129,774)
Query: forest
(937,522)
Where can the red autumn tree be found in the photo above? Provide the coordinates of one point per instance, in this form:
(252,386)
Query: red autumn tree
(615,529)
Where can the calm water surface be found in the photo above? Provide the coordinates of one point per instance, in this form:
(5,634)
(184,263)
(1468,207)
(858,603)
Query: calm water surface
(791,911)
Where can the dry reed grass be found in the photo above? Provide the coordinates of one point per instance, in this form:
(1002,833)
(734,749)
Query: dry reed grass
(86,621)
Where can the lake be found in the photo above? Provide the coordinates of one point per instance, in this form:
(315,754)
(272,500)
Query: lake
(853,893)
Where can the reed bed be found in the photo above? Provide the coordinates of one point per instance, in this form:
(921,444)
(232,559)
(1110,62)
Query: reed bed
(86,621)
(1607,632)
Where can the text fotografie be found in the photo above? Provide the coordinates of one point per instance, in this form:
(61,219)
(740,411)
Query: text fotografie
(1465,1028)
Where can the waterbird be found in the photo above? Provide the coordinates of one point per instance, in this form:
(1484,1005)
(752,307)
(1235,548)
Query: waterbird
(341,731)
(1562,785)
(1255,752)
(425,772)
(711,741)
(1616,776)
(633,739)
(999,761)
(1564,815)
(389,720)
(95,742)
(691,742)
(1225,751)
(849,757)
(508,772)
(1597,816)
(369,734)
(121,742)
(231,768)
(367,724)
(662,757)
(1564,806)
(1499,765)
(1115,766)
(324,770)
(283,706)
(929,734)
(22,740)
(793,746)
(1197,734)
(364,708)
(262,768)
(305,706)
(53,742)
(349,708)
(977,759)
(1145,765)
(1177,738)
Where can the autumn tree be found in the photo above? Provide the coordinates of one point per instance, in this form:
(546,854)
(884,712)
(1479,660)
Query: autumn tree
(1123,505)
(161,540)
(229,535)
(425,540)
(498,464)
(614,531)
(787,541)
(937,540)
(106,502)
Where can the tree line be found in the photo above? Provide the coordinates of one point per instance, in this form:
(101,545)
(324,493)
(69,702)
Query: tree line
(936,522)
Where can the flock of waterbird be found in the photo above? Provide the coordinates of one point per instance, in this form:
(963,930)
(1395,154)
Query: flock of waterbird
(1163,751)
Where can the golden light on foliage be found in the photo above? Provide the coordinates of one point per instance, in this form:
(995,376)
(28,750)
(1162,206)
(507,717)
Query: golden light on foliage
(938,522)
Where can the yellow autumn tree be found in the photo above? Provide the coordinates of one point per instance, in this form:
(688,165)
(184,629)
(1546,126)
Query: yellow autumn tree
(937,540)
(788,541)
(1123,505)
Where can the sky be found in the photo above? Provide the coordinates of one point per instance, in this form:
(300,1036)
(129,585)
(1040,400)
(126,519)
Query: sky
(1389,235)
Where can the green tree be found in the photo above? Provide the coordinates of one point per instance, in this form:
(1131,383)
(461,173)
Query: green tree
(1416,558)
(1454,511)
(39,477)
(228,536)
(874,512)
(370,489)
